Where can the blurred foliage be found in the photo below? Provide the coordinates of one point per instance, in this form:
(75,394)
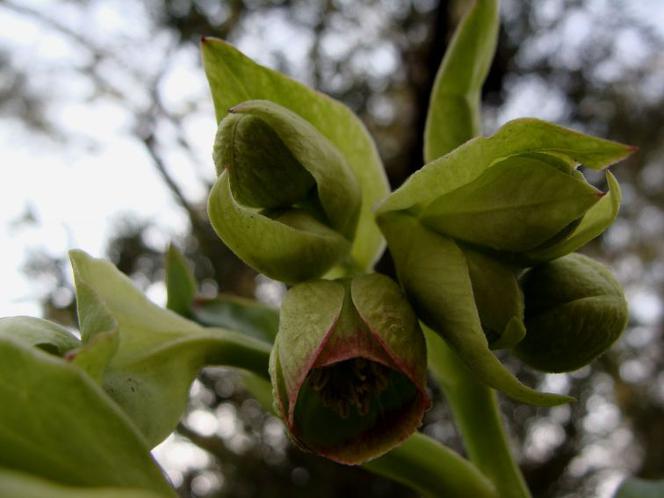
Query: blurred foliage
(594,65)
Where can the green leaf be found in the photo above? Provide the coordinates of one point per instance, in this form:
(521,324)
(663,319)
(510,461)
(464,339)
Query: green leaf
(159,353)
(434,272)
(433,470)
(43,334)
(235,313)
(99,332)
(515,205)
(226,311)
(640,488)
(594,222)
(58,424)
(181,285)
(292,248)
(466,163)
(454,109)
(17,484)
(234,78)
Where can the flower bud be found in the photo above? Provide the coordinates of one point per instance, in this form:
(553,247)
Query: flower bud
(348,367)
(518,204)
(465,297)
(574,310)
(286,201)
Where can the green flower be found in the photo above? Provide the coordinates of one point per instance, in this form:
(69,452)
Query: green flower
(575,310)
(349,367)
(462,228)
(286,202)
(520,203)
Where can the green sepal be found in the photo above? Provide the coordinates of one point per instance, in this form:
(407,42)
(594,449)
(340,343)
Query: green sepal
(384,309)
(280,401)
(338,190)
(435,276)
(594,222)
(514,206)
(454,110)
(309,311)
(263,171)
(466,163)
(292,248)
(234,78)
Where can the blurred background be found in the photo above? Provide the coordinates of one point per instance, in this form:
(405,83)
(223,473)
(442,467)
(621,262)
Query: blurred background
(106,127)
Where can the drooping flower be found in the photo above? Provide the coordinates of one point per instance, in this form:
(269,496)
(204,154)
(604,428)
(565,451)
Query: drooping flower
(349,367)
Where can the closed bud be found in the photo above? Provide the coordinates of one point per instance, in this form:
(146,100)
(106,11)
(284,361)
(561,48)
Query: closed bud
(263,172)
(518,204)
(349,367)
(574,311)
(286,201)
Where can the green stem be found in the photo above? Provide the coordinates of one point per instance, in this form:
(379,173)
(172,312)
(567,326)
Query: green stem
(478,418)
(432,469)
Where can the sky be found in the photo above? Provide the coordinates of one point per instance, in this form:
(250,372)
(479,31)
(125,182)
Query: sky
(78,189)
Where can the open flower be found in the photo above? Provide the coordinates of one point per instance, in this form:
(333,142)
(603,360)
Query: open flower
(286,201)
(575,310)
(349,367)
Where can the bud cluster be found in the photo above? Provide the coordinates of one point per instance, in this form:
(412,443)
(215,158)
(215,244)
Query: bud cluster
(482,240)
(465,228)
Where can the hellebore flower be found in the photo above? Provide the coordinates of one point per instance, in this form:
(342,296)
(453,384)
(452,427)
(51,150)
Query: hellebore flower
(286,202)
(348,367)
(462,228)
(575,310)
(518,204)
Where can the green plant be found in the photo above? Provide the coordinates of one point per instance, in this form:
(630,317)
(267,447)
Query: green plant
(482,239)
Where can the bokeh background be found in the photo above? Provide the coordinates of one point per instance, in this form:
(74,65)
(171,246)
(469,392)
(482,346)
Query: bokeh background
(106,128)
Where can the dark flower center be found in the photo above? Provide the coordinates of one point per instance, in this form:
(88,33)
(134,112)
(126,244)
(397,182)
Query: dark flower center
(350,383)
